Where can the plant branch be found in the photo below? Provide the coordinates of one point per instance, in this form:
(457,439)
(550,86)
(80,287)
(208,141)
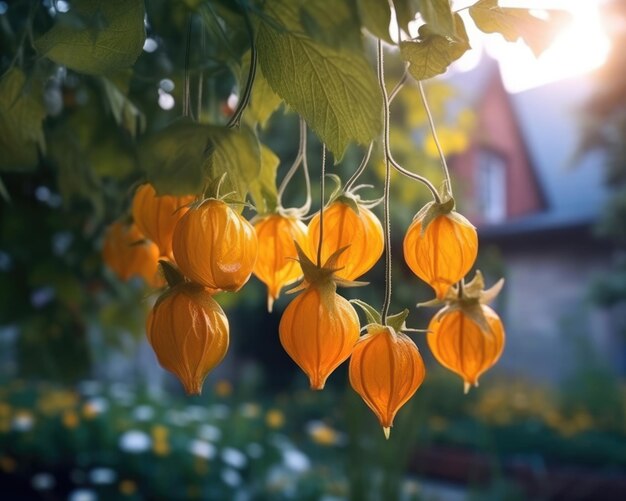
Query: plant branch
(386,217)
(235,120)
(322,197)
(444,165)
(361,168)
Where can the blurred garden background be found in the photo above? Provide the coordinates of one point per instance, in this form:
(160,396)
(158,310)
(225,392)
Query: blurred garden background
(536,152)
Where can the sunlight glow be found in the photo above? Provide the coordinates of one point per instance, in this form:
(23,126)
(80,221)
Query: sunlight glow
(581,46)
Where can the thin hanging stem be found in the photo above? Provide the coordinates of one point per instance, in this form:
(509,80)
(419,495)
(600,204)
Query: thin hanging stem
(296,163)
(399,85)
(322,198)
(386,217)
(186,88)
(305,167)
(201,76)
(444,165)
(235,120)
(388,156)
(361,168)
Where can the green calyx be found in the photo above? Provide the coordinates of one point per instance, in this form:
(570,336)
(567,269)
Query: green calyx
(172,274)
(350,196)
(374,319)
(468,298)
(322,277)
(432,210)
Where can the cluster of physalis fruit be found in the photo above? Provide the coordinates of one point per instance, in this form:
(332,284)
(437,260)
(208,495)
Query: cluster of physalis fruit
(205,245)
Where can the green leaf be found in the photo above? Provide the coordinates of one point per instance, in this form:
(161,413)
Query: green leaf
(334,90)
(263,187)
(185,157)
(406,10)
(397,321)
(237,153)
(514,23)
(96,36)
(76,179)
(432,53)
(335,24)
(264,101)
(376,17)
(438,16)
(371,314)
(175,159)
(21,114)
(126,114)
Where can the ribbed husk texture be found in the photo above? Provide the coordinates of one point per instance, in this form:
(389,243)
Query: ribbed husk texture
(443,253)
(188,331)
(127,258)
(459,344)
(214,246)
(157,216)
(318,330)
(386,369)
(276,264)
(343,227)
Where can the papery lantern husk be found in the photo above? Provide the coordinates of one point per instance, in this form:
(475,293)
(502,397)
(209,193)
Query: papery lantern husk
(386,369)
(462,345)
(188,331)
(215,246)
(361,232)
(318,330)
(442,253)
(157,216)
(276,264)
(127,252)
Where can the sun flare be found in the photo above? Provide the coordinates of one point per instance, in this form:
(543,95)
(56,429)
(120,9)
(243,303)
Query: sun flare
(581,46)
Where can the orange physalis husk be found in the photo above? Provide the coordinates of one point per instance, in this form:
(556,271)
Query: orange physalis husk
(440,246)
(276,264)
(347,223)
(215,246)
(188,331)
(127,252)
(386,369)
(319,328)
(467,336)
(156,216)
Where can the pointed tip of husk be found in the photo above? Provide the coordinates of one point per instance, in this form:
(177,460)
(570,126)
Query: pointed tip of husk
(193,390)
(466,387)
(387,432)
(270,303)
(317,386)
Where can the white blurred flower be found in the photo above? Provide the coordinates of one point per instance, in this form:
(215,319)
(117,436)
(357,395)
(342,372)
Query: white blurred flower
(210,432)
(23,421)
(82,495)
(279,479)
(296,460)
(135,441)
(250,410)
(230,477)
(42,481)
(89,388)
(98,404)
(234,457)
(202,449)
(143,413)
(102,476)
(176,418)
(122,393)
(197,413)
(254,450)
(219,411)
